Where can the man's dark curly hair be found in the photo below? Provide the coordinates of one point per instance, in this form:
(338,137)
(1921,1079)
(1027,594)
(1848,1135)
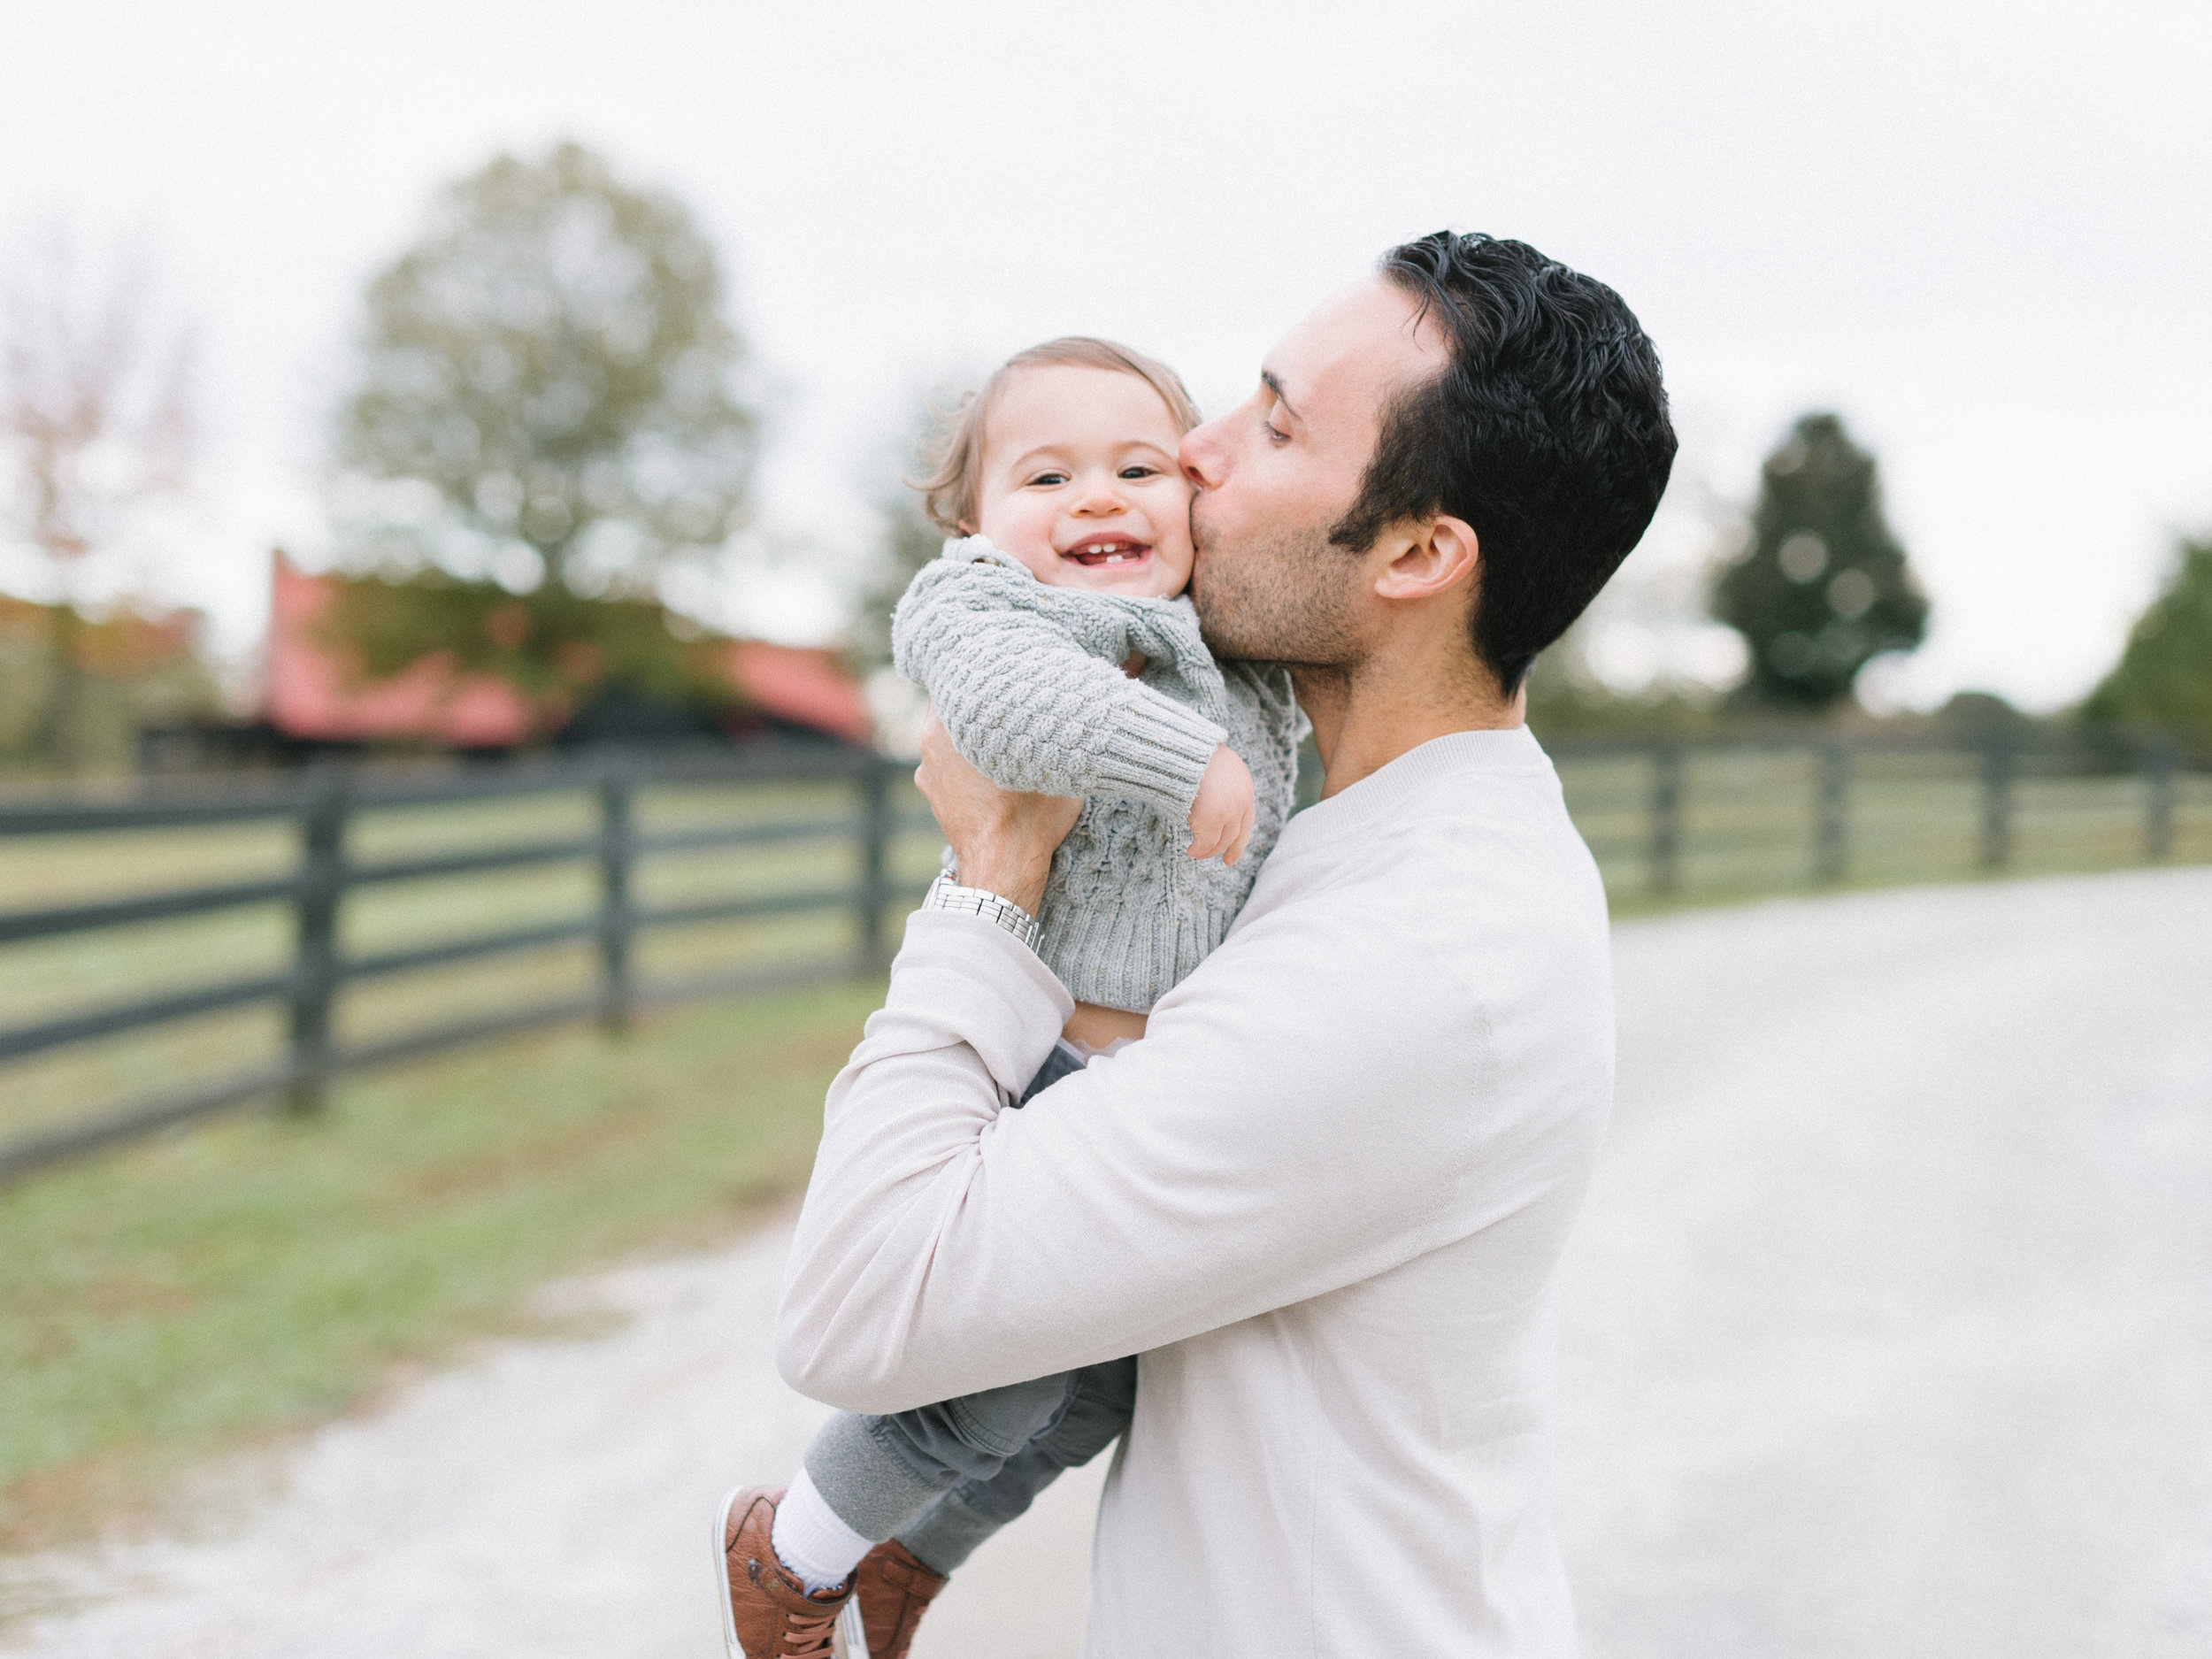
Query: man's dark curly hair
(1547,433)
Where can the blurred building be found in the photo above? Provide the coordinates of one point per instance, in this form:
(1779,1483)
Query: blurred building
(311,705)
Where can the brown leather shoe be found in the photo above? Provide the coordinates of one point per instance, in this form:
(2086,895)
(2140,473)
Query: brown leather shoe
(894,1590)
(767,1611)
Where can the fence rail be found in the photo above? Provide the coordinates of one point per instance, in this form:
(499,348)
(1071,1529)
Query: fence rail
(1666,820)
(1827,809)
(322,806)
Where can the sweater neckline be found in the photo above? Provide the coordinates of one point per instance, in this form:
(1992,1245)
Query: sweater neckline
(1410,780)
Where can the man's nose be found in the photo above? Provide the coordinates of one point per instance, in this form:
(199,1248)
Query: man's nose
(1201,454)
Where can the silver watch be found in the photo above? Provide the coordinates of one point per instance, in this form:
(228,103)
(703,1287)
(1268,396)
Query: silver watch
(945,894)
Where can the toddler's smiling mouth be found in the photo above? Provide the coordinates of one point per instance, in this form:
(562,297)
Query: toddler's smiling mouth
(1097,552)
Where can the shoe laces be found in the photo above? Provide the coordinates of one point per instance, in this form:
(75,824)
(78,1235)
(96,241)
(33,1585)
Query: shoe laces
(806,1636)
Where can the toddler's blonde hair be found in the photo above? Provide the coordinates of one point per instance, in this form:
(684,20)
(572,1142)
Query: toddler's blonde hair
(956,457)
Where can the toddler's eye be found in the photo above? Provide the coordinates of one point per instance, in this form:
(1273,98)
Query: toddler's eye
(1049,477)
(1141,471)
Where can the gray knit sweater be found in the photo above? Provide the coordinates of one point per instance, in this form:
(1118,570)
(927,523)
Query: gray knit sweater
(1027,680)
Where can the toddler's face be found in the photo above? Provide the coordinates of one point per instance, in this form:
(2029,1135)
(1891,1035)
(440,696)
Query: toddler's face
(1080,482)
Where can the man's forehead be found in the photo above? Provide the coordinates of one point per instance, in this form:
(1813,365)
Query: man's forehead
(1358,341)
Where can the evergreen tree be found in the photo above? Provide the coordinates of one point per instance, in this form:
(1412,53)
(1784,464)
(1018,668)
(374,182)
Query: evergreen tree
(1823,586)
(2164,676)
(548,402)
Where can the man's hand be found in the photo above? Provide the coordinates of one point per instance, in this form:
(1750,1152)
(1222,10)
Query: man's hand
(1004,841)
(1221,817)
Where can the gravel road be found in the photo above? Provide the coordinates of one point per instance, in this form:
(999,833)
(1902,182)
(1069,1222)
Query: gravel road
(1888,1333)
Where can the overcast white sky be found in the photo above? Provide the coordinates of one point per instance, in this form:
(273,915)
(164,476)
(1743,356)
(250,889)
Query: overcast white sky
(1981,229)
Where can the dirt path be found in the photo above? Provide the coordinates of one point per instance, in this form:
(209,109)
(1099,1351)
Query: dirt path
(1889,1327)
(1887,1333)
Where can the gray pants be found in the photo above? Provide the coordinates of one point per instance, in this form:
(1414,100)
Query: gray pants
(941,1478)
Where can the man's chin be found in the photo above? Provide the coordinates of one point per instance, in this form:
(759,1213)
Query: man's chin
(1216,626)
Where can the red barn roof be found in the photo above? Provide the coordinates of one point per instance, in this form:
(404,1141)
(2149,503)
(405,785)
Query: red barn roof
(309,693)
(802,684)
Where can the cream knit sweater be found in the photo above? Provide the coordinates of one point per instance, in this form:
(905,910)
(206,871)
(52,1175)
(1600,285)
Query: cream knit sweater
(1027,680)
(1323,1201)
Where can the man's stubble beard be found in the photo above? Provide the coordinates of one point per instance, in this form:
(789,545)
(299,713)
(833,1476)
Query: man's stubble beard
(1283,597)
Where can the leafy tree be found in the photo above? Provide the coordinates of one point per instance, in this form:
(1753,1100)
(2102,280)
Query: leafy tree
(555,646)
(2164,676)
(1981,717)
(1567,698)
(907,540)
(1823,586)
(548,399)
(131,667)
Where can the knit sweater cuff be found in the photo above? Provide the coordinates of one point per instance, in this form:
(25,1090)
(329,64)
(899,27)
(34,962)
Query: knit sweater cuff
(1156,751)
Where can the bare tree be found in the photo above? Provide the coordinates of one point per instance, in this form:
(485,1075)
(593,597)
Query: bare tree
(95,425)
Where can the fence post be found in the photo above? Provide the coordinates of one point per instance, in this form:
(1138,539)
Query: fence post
(315,935)
(2159,763)
(1831,829)
(617,918)
(1997,773)
(875,840)
(1666,816)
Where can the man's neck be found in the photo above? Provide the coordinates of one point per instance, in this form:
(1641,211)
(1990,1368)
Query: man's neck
(1365,718)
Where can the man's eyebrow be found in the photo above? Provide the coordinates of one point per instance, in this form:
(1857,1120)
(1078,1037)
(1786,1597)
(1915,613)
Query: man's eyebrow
(1268,379)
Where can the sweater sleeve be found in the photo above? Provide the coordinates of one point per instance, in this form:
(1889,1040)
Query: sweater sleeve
(1202,1176)
(1029,706)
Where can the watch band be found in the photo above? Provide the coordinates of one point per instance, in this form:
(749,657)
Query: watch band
(945,894)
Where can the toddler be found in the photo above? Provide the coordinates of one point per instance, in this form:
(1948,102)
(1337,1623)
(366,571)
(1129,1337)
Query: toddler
(1061,657)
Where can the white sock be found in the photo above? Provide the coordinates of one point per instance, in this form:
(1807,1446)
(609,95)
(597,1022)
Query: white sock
(810,1541)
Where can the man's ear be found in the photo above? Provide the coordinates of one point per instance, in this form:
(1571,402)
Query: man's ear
(1434,556)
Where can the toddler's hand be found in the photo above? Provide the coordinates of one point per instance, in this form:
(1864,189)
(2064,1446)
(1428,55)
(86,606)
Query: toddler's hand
(1221,817)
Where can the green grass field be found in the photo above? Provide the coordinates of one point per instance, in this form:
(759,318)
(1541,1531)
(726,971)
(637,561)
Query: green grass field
(243,1277)
(236,1279)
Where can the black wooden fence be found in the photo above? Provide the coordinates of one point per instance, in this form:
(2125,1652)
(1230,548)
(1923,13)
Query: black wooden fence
(322,803)
(2004,770)
(1650,812)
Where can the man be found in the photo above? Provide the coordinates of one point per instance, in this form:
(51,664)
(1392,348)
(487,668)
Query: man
(1324,1199)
